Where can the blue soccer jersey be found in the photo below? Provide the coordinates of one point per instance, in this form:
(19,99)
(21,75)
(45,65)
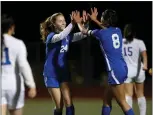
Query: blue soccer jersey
(56,65)
(111,45)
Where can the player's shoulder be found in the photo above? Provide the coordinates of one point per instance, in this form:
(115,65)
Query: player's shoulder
(13,39)
(138,40)
(114,29)
(49,36)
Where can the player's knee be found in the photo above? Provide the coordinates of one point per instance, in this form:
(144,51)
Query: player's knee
(68,101)
(129,93)
(139,94)
(66,94)
(122,101)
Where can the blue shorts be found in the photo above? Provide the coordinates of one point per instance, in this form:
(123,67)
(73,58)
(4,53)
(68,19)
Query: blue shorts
(53,77)
(117,75)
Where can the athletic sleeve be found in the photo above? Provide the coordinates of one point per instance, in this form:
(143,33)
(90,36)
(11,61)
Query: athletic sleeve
(142,46)
(63,34)
(24,66)
(96,33)
(78,36)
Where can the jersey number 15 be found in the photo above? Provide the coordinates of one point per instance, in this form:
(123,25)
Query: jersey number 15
(128,51)
(6,60)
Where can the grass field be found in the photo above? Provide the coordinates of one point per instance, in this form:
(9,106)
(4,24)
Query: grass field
(82,107)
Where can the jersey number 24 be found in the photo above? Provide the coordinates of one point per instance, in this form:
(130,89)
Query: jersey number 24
(6,60)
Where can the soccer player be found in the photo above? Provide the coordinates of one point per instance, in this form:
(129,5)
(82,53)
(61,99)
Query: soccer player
(56,73)
(110,39)
(14,65)
(133,50)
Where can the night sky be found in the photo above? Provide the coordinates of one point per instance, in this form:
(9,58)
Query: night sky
(29,15)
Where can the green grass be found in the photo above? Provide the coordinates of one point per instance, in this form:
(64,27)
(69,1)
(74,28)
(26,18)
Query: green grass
(82,107)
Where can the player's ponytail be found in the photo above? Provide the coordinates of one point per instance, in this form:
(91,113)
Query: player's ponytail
(48,26)
(129,32)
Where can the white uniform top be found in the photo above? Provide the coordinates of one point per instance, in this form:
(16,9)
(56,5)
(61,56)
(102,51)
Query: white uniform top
(132,53)
(15,65)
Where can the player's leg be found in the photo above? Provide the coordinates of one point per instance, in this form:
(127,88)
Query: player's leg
(54,90)
(128,85)
(107,101)
(129,93)
(65,88)
(58,100)
(15,102)
(107,98)
(3,102)
(139,91)
(16,111)
(118,91)
(4,109)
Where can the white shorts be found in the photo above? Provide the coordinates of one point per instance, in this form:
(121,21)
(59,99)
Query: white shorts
(134,76)
(13,99)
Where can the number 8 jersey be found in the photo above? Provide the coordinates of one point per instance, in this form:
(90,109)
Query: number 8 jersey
(111,45)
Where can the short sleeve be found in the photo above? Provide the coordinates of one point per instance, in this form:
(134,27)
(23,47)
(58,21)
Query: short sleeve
(142,46)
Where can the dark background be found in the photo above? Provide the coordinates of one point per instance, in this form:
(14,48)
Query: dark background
(86,53)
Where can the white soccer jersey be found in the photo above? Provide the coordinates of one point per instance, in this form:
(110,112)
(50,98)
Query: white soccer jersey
(15,65)
(132,53)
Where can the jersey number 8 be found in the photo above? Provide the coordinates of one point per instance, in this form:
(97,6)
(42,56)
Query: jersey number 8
(116,41)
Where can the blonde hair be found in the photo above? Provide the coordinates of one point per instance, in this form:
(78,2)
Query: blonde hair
(48,26)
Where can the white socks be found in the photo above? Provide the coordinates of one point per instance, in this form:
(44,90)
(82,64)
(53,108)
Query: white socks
(142,105)
(129,100)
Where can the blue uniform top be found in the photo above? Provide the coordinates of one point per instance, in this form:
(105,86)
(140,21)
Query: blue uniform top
(56,56)
(111,46)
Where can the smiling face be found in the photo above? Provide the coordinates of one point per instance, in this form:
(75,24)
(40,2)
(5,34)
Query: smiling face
(60,23)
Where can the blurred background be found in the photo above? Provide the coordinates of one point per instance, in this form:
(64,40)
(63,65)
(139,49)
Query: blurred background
(86,61)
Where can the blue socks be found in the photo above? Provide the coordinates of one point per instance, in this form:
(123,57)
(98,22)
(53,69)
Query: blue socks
(70,110)
(106,110)
(129,112)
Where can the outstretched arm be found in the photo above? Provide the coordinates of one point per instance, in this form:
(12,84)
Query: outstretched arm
(63,34)
(93,17)
(66,31)
(79,35)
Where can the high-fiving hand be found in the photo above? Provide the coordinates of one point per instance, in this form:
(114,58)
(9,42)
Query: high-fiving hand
(75,17)
(94,14)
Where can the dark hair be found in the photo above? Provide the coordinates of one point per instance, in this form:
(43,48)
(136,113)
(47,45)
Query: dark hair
(6,23)
(48,26)
(129,32)
(110,17)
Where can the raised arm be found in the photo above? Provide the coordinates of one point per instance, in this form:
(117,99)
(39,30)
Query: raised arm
(85,23)
(93,17)
(66,31)
(63,34)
